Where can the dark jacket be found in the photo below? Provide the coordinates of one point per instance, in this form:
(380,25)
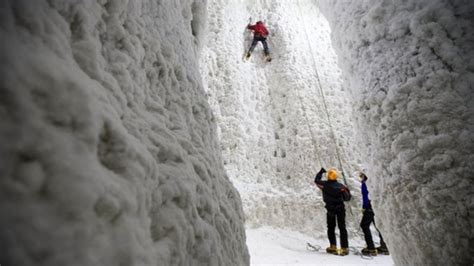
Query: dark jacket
(365,197)
(333,191)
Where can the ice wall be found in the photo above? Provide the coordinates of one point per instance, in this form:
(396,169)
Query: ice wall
(273,127)
(410,67)
(108,151)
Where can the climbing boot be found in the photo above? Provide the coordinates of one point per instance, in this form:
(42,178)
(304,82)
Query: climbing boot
(268,58)
(369,252)
(332,249)
(383,250)
(343,251)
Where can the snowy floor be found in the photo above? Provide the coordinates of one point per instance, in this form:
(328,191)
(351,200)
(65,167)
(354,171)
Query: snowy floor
(270,246)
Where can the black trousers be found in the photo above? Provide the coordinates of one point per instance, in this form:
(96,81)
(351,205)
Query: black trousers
(367,220)
(257,39)
(337,213)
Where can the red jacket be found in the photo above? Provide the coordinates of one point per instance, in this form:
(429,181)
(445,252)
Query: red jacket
(259,29)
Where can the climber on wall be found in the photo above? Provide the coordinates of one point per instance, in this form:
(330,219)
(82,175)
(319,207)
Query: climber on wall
(334,195)
(367,220)
(260,34)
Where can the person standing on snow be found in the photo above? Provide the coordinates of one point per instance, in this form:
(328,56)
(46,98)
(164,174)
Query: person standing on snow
(334,195)
(260,34)
(367,220)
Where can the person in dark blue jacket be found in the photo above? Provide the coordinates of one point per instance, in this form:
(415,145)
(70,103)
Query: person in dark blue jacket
(367,220)
(334,195)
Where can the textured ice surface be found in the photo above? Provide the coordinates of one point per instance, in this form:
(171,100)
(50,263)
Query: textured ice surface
(273,128)
(409,65)
(108,151)
(107,146)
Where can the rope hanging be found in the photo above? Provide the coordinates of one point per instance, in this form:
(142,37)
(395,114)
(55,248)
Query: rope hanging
(313,139)
(333,135)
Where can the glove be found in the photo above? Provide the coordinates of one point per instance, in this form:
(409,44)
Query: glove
(322,171)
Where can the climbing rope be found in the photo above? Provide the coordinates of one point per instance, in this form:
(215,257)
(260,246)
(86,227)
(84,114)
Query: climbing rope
(333,135)
(356,251)
(352,249)
(331,128)
(311,247)
(313,139)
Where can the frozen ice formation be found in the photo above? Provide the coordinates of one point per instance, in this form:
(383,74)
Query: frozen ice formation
(123,124)
(409,66)
(108,148)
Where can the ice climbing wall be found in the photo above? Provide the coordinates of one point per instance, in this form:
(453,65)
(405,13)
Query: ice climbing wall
(409,65)
(108,150)
(272,117)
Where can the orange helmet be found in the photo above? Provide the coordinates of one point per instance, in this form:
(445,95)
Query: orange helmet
(333,174)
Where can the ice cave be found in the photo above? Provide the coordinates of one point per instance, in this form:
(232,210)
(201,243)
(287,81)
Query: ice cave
(137,133)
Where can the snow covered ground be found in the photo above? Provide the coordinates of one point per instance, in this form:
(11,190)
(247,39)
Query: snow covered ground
(271,246)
